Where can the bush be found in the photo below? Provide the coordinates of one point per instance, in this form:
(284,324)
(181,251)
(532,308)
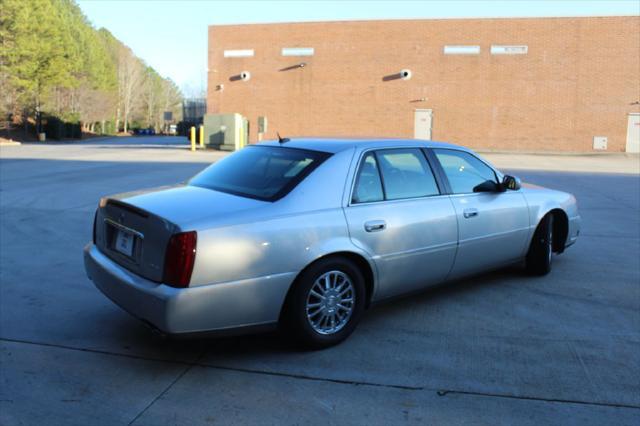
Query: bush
(57,129)
(54,128)
(183,127)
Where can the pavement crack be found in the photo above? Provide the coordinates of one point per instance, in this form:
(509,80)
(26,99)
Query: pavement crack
(536,398)
(585,370)
(197,363)
(161,394)
(313,378)
(96,351)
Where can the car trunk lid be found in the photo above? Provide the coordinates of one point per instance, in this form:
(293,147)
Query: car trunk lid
(134,229)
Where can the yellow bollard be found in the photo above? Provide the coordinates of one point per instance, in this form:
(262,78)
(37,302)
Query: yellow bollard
(201,136)
(193,138)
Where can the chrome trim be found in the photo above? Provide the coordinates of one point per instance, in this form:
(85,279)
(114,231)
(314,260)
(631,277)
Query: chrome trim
(124,228)
(498,174)
(426,197)
(364,152)
(412,252)
(354,177)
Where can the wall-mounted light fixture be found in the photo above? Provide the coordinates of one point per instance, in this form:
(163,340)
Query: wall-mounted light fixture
(243,76)
(294,67)
(404,74)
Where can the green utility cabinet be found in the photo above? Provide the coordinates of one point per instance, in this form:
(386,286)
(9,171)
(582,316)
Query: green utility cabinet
(226,132)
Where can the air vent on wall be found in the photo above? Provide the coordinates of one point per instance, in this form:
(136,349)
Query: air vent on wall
(461,50)
(298,51)
(238,53)
(509,50)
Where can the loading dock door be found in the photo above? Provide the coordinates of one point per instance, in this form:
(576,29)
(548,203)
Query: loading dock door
(633,133)
(422,124)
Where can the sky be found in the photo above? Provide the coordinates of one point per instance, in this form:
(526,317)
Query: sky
(171,35)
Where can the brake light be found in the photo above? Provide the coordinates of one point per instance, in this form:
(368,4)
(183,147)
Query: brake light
(179,259)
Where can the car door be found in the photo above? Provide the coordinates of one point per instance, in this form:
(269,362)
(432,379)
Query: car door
(493,225)
(398,215)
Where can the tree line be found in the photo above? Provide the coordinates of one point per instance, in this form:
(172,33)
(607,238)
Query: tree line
(54,63)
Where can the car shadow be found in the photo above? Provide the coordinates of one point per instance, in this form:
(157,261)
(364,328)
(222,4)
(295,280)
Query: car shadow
(277,342)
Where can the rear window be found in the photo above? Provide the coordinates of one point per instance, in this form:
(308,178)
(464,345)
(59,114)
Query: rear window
(263,172)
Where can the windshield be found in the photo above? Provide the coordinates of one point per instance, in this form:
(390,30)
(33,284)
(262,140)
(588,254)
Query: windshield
(263,172)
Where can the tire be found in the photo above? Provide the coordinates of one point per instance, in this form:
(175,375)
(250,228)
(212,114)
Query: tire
(540,255)
(325,304)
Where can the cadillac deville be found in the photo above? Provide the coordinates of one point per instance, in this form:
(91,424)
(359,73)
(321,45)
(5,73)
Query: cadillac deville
(308,233)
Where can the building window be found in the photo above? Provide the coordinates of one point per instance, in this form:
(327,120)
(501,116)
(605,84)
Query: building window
(297,51)
(508,50)
(238,53)
(462,50)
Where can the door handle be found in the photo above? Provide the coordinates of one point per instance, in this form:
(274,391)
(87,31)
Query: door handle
(467,213)
(375,225)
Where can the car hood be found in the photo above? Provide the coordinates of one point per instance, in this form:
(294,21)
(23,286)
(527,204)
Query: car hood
(185,204)
(530,186)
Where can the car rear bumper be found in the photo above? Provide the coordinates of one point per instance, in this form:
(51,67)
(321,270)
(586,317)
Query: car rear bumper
(208,308)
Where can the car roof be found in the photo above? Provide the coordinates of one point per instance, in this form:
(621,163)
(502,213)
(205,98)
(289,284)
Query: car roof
(334,145)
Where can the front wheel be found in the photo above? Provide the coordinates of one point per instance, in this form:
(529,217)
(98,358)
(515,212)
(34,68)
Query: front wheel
(540,255)
(326,303)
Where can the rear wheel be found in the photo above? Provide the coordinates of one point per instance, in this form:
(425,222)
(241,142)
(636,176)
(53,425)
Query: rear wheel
(540,255)
(326,303)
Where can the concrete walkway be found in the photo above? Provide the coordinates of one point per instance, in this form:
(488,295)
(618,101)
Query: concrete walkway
(590,163)
(176,148)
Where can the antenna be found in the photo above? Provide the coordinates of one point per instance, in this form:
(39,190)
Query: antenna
(282,140)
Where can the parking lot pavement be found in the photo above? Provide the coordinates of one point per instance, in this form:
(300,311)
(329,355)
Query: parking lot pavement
(501,348)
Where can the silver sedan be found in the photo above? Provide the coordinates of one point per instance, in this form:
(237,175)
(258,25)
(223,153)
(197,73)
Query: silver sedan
(308,233)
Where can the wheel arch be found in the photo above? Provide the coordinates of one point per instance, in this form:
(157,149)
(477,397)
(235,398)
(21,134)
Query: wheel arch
(560,228)
(361,262)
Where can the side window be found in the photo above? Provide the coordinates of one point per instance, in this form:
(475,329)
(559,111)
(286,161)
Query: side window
(406,174)
(368,185)
(464,171)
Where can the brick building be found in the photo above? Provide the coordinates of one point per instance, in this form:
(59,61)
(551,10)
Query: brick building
(532,84)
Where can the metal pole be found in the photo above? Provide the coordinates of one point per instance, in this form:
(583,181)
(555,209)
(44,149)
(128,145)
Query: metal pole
(201,136)
(193,138)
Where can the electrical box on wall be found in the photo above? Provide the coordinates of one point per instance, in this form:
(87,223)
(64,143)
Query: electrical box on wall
(600,143)
(262,124)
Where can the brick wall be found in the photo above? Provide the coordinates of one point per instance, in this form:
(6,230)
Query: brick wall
(578,80)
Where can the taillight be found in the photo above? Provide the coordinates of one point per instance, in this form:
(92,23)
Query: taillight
(179,259)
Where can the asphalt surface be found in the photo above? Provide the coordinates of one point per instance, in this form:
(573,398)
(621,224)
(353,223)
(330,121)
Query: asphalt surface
(502,348)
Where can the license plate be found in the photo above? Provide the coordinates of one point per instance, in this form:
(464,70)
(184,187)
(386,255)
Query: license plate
(124,242)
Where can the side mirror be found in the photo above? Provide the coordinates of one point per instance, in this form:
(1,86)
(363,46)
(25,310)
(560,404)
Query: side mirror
(511,182)
(487,186)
